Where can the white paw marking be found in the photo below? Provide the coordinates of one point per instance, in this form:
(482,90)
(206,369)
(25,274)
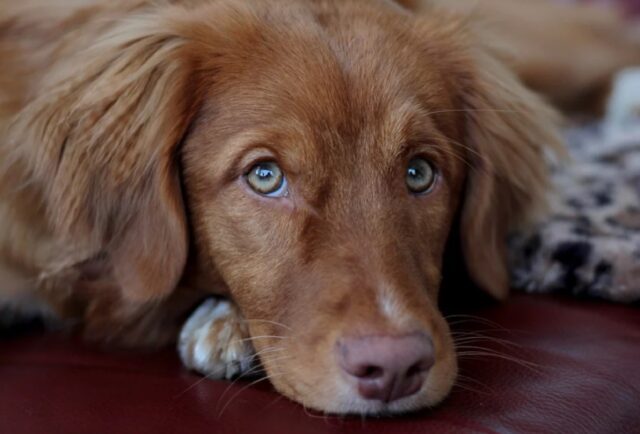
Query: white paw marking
(214,342)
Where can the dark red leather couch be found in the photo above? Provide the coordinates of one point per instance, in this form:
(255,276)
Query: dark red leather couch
(569,366)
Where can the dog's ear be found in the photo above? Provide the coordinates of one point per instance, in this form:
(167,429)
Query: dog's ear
(508,130)
(101,140)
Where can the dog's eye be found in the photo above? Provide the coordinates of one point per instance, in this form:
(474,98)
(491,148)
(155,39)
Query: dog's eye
(267,179)
(421,175)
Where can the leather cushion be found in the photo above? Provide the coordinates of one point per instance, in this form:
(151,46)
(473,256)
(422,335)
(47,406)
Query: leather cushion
(560,365)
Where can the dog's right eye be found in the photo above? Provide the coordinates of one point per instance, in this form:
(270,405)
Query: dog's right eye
(267,179)
(421,176)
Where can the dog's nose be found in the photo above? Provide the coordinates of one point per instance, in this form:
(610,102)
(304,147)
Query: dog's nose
(386,368)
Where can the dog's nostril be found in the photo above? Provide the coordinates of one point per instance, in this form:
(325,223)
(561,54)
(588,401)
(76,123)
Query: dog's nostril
(369,372)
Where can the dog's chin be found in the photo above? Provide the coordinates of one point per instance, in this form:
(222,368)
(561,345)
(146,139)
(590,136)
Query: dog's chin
(339,397)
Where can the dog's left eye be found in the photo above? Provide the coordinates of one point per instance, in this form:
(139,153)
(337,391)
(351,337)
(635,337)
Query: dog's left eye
(267,179)
(420,175)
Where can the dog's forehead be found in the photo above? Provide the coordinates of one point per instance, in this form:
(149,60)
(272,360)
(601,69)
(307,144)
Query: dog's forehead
(337,80)
(337,97)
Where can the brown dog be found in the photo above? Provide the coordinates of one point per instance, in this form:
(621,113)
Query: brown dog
(306,160)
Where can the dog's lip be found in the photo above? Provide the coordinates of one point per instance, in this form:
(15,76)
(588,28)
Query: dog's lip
(358,407)
(352,405)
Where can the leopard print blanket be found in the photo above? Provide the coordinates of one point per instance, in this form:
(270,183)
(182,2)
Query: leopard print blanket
(589,244)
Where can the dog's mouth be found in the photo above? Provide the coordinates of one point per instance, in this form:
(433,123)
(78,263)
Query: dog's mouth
(375,375)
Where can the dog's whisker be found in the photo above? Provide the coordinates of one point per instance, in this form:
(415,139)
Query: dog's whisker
(468,110)
(265,351)
(273,402)
(257,358)
(240,377)
(462,379)
(459,385)
(268,322)
(487,339)
(475,347)
(471,351)
(474,318)
(461,156)
(253,371)
(481,353)
(457,155)
(314,416)
(258,369)
(463,334)
(253,383)
(205,377)
(474,334)
(252,338)
(235,380)
(468,383)
(459,144)
(191,386)
(275,359)
(486,168)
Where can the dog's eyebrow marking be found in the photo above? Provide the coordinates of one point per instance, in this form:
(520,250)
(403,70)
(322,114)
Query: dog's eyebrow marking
(405,125)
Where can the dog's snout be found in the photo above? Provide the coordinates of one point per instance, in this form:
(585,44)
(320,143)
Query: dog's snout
(386,368)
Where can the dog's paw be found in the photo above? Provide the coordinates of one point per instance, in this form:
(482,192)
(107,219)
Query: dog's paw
(214,341)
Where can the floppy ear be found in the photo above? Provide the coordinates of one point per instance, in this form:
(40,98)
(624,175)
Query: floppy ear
(101,140)
(508,129)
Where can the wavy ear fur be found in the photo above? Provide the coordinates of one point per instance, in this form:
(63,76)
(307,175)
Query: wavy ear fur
(101,140)
(508,128)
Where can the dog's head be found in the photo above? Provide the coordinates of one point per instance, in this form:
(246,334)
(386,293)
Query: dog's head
(311,158)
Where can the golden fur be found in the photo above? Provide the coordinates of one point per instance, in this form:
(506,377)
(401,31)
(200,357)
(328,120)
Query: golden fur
(125,128)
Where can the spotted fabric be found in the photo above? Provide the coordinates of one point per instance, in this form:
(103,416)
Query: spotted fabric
(590,242)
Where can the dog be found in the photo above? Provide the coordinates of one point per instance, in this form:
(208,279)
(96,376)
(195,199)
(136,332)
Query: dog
(276,182)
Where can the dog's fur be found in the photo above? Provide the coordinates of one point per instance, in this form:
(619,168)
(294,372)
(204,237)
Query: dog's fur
(126,127)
